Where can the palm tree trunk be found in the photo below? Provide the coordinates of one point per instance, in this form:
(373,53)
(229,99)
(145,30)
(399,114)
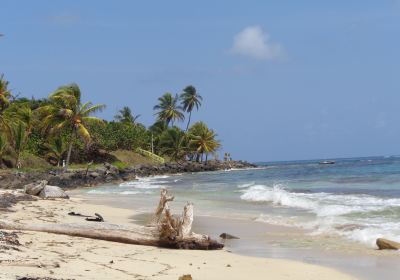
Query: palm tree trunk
(18,160)
(190,116)
(206,157)
(70,149)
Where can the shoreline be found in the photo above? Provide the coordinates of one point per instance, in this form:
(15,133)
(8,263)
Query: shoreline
(108,173)
(60,256)
(263,240)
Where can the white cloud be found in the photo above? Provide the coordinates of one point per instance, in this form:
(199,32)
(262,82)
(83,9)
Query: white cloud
(255,43)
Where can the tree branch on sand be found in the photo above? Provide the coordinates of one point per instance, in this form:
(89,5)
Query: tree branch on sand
(165,230)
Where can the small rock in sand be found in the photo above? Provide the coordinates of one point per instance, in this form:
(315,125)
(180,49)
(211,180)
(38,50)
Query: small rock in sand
(228,236)
(186,277)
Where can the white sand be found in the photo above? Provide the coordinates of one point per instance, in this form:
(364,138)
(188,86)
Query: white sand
(60,256)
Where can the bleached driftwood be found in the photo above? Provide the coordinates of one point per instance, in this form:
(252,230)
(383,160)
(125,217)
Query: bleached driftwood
(164,231)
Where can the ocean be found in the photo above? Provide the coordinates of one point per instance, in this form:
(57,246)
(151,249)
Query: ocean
(356,199)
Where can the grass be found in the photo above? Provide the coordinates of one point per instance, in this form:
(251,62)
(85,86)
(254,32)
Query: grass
(125,159)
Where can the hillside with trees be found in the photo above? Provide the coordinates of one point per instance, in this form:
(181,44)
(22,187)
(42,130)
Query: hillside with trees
(63,130)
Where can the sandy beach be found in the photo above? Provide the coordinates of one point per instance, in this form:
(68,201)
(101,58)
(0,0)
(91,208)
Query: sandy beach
(65,257)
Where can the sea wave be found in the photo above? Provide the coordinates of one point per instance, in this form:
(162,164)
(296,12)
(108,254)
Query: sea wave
(322,204)
(350,216)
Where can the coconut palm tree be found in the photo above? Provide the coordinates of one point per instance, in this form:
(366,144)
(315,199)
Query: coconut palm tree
(173,143)
(203,140)
(67,113)
(5,93)
(168,109)
(3,148)
(56,149)
(189,100)
(125,116)
(18,141)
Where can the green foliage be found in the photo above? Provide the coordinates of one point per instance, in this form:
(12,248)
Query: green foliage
(120,165)
(173,143)
(125,116)
(189,100)
(34,132)
(202,140)
(66,112)
(3,148)
(115,135)
(168,109)
(5,93)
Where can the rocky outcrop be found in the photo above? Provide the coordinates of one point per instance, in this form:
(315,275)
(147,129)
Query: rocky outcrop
(109,173)
(35,188)
(52,192)
(45,191)
(385,244)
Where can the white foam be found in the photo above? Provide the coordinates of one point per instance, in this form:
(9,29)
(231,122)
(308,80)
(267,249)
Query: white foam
(322,204)
(331,213)
(246,185)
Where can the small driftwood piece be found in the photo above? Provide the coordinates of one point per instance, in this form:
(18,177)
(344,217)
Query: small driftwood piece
(164,230)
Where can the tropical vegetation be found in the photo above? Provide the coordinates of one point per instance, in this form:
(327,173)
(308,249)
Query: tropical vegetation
(63,129)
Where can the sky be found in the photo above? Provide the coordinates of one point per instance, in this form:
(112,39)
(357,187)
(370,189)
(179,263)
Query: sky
(281,80)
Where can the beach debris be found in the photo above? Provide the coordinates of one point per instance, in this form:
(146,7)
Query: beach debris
(168,232)
(8,241)
(98,218)
(385,244)
(186,277)
(228,236)
(228,265)
(8,199)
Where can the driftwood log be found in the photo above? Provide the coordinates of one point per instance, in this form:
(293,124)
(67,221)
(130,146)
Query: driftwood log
(164,230)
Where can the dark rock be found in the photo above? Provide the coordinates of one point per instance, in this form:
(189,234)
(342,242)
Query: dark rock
(228,236)
(94,174)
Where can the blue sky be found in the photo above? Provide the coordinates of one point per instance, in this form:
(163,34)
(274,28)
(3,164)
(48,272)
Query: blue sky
(280,80)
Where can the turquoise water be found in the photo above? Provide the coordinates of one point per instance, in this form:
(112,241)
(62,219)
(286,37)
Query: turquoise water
(357,199)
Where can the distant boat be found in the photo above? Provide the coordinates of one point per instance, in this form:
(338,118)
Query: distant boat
(327,162)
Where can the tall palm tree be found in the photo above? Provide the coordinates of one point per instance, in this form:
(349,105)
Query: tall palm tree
(173,143)
(67,113)
(5,93)
(203,140)
(125,116)
(168,109)
(190,99)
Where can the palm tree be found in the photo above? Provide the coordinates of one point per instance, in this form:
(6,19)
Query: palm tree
(173,143)
(56,149)
(66,112)
(168,109)
(203,140)
(190,99)
(125,116)
(18,122)
(3,148)
(19,141)
(5,93)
